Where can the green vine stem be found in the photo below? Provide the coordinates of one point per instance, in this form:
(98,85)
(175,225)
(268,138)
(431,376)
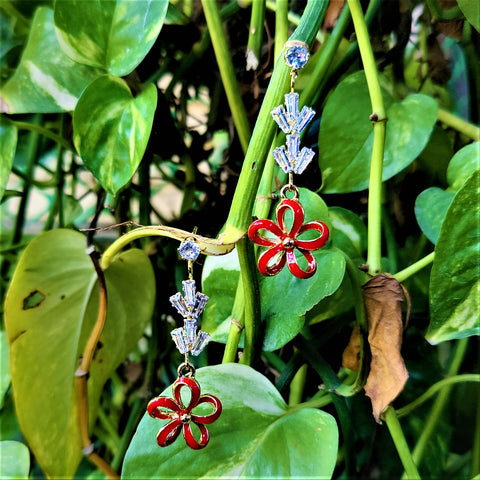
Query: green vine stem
(281,26)
(251,294)
(378,119)
(326,56)
(237,322)
(255,35)
(227,72)
(33,127)
(401,445)
(402,275)
(468,129)
(434,389)
(439,403)
(240,214)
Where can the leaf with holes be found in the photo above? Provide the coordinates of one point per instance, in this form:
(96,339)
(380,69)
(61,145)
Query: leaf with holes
(50,309)
(114,34)
(256,436)
(111,129)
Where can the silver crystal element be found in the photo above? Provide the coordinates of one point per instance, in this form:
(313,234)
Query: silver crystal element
(190,327)
(200,302)
(180,340)
(293,146)
(281,158)
(189,250)
(297,56)
(291,102)
(189,290)
(302,161)
(179,303)
(279,115)
(202,339)
(302,120)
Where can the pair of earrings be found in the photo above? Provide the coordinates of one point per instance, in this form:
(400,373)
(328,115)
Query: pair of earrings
(188,339)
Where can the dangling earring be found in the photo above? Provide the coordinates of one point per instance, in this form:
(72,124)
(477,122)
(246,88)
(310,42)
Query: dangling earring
(188,341)
(291,160)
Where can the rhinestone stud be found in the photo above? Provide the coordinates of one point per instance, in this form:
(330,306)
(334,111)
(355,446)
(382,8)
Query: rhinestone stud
(296,55)
(189,250)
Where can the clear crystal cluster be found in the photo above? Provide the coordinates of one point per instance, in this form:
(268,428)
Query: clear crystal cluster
(292,122)
(190,306)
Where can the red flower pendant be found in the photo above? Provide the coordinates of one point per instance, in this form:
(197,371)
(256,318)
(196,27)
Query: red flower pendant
(181,416)
(282,251)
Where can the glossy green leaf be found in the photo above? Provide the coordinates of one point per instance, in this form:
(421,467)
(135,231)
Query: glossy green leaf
(430,209)
(471,10)
(349,232)
(346,135)
(111,129)
(462,165)
(14,460)
(5,371)
(114,34)
(50,309)
(8,145)
(46,80)
(255,437)
(455,284)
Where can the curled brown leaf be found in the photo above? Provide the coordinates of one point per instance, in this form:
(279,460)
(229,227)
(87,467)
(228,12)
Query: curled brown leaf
(383,297)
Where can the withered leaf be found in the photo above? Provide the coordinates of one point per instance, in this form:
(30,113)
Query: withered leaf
(351,354)
(383,297)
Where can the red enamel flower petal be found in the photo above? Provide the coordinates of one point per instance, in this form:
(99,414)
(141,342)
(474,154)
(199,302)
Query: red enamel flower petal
(155,405)
(298,216)
(191,440)
(316,243)
(217,410)
(194,388)
(265,258)
(294,267)
(264,224)
(169,433)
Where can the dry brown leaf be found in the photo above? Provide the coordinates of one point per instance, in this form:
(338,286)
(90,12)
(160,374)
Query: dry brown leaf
(351,354)
(383,297)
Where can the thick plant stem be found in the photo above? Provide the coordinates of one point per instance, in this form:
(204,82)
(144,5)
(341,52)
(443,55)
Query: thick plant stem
(237,322)
(435,388)
(281,26)
(439,404)
(255,35)
(227,72)
(378,119)
(468,129)
(401,445)
(402,275)
(240,214)
(251,295)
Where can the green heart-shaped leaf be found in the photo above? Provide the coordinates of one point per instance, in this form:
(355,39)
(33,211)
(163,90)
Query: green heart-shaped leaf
(454,281)
(46,79)
(471,10)
(5,372)
(462,165)
(255,437)
(14,460)
(430,209)
(50,309)
(346,135)
(349,232)
(111,129)
(113,34)
(8,145)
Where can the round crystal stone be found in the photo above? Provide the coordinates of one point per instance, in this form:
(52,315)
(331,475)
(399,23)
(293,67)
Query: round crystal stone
(189,250)
(296,56)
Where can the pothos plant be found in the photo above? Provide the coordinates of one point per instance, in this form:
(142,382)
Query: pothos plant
(110,109)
